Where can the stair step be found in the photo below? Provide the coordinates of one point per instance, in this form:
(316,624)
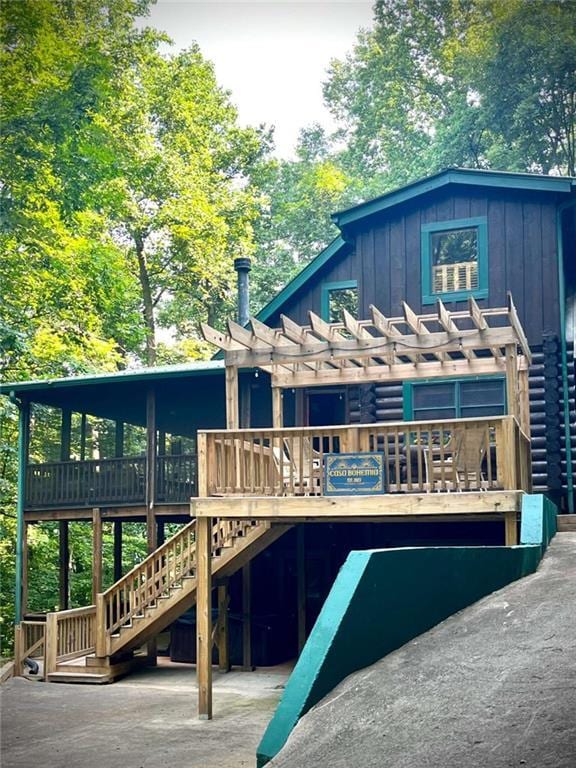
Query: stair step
(566,523)
(85,678)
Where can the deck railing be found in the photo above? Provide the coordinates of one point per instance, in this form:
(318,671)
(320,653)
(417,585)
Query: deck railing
(109,481)
(489,453)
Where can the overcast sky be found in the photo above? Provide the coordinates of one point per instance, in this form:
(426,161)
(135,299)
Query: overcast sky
(272,56)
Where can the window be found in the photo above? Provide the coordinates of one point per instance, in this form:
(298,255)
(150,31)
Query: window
(454,399)
(339,296)
(454,260)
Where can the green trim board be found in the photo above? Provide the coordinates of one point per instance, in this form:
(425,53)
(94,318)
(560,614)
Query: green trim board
(327,289)
(479,223)
(408,391)
(336,247)
(430,584)
(464,176)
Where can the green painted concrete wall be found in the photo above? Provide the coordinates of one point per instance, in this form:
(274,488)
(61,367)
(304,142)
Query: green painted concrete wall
(381,599)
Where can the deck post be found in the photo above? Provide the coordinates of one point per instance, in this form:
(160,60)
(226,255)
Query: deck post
(247,665)
(301,586)
(223,636)
(50,644)
(64,565)
(96,553)
(83,437)
(509,455)
(117,550)
(510,529)
(204,617)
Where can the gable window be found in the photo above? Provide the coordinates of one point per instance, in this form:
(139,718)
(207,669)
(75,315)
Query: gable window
(454,260)
(454,399)
(339,296)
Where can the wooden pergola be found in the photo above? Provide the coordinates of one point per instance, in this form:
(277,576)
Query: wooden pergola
(468,342)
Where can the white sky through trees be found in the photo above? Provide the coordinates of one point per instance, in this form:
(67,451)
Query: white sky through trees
(272,56)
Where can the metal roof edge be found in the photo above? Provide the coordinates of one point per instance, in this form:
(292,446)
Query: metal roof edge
(203,367)
(467,176)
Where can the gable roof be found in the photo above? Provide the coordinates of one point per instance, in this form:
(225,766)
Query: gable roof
(336,247)
(465,176)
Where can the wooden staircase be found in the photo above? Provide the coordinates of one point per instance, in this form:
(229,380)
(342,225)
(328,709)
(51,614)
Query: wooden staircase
(96,644)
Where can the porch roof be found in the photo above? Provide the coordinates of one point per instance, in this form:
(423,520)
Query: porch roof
(468,342)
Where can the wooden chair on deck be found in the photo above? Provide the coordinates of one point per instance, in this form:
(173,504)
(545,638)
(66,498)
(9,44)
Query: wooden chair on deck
(458,464)
(306,464)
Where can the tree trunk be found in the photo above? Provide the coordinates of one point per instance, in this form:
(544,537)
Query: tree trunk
(147,301)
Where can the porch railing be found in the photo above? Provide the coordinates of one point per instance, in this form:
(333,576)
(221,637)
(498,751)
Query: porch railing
(489,453)
(109,481)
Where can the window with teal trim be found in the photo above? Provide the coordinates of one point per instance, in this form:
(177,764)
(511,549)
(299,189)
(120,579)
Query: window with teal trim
(455,399)
(454,260)
(339,296)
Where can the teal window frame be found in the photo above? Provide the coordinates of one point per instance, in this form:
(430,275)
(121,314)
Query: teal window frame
(408,393)
(427,230)
(327,289)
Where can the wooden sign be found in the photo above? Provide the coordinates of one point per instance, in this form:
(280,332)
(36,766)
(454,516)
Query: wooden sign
(354,474)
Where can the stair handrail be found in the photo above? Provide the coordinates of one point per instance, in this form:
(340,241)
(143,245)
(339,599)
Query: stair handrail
(155,576)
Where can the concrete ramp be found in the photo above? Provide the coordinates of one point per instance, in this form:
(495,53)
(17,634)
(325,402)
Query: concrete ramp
(492,686)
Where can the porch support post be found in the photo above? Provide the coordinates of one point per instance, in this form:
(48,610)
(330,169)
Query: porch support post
(23,442)
(117,550)
(277,408)
(301,586)
(64,564)
(83,437)
(247,665)
(204,617)
(65,434)
(63,545)
(151,531)
(150,468)
(119,439)
(96,553)
(231,397)
(512,380)
(223,637)
(25,569)
(160,533)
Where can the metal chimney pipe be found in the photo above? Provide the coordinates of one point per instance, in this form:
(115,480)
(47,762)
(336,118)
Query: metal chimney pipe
(243,266)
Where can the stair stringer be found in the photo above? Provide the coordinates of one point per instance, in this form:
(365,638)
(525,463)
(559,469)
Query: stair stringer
(167,609)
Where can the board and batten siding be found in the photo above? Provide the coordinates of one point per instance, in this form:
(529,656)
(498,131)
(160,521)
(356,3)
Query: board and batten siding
(385,258)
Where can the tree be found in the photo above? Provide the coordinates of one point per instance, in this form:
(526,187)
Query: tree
(294,225)
(180,205)
(473,83)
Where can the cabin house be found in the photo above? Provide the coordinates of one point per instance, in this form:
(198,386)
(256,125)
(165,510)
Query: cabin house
(408,386)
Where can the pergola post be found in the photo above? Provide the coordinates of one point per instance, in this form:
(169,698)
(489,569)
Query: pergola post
(231,397)
(277,408)
(512,394)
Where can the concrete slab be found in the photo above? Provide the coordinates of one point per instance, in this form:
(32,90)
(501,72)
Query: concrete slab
(146,720)
(493,686)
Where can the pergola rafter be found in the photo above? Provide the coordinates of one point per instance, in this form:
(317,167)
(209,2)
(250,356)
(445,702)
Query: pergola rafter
(468,342)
